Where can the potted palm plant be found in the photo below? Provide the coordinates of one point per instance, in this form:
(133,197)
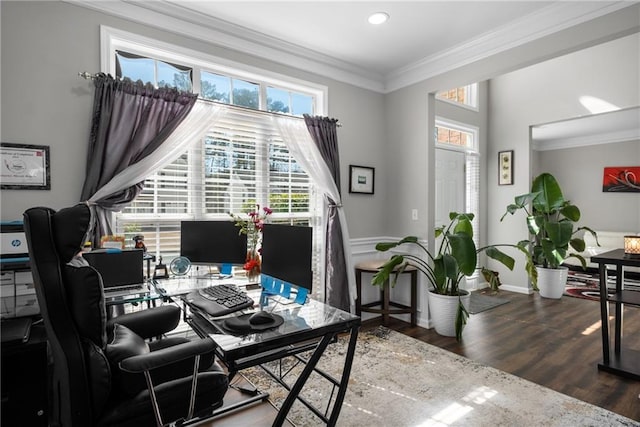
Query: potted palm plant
(551,221)
(456,257)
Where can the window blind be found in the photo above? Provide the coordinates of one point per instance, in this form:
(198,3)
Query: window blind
(242,162)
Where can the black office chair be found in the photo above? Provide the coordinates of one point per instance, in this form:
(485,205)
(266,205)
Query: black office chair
(111,372)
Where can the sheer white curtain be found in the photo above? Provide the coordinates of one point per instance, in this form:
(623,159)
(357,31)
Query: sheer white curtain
(296,136)
(191,131)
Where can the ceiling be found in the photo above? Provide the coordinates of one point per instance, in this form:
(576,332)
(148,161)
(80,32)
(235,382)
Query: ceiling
(415,30)
(333,38)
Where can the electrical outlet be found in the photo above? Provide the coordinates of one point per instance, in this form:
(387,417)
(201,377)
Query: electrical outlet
(414,214)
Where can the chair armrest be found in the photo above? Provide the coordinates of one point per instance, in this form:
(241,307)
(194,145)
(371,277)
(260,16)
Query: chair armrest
(151,322)
(166,356)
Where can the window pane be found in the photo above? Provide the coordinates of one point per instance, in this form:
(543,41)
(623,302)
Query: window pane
(288,184)
(135,68)
(215,87)
(453,137)
(138,67)
(283,101)
(171,76)
(246,94)
(465,95)
(165,192)
(302,104)
(230,175)
(277,100)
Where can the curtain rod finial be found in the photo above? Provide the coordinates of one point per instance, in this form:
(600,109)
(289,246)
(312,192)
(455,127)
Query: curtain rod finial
(86,75)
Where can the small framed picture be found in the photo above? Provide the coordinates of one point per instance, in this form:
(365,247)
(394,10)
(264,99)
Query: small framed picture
(505,167)
(24,167)
(361,179)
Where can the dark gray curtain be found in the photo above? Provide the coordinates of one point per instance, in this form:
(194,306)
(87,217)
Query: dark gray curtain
(130,121)
(324,134)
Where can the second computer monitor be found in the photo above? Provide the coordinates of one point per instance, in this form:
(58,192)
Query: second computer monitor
(212,242)
(287,251)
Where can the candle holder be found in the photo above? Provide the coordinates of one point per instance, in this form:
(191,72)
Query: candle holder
(632,246)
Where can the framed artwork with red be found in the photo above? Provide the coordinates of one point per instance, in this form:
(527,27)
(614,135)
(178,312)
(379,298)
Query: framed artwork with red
(621,179)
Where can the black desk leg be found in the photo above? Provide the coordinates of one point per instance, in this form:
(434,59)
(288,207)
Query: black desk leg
(619,310)
(351,350)
(604,313)
(310,366)
(302,379)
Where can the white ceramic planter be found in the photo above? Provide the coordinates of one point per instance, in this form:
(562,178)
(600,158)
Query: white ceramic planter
(443,310)
(552,281)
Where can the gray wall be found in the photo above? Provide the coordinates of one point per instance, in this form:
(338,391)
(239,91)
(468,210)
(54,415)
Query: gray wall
(579,172)
(44,102)
(548,92)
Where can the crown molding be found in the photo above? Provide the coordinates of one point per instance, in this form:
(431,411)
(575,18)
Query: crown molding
(548,20)
(173,17)
(176,19)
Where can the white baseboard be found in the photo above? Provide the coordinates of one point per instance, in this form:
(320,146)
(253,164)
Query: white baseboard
(517,289)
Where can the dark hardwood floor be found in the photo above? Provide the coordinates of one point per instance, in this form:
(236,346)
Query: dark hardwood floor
(554,343)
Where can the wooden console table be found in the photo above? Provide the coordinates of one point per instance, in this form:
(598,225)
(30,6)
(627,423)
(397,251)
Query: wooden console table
(625,362)
(385,304)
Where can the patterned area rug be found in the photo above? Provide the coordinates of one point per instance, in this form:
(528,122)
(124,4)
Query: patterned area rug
(587,286)
(399,381)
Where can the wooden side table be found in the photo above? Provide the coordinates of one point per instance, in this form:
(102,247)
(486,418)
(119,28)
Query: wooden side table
(384,305)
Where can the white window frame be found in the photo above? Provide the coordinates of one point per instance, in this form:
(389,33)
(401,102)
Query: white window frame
(462,127)
(113,39)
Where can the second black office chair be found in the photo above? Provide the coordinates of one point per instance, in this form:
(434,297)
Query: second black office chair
(110,373)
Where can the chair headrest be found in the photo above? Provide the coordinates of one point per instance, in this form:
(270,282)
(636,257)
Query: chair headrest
(70,227)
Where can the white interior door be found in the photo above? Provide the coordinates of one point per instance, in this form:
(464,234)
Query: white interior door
(450,184)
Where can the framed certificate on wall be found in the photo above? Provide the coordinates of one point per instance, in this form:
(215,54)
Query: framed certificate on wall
(24,167)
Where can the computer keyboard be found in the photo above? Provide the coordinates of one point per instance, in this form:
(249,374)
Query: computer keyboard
(219,300)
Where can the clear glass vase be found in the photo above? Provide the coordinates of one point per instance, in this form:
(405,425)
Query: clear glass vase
(252,267)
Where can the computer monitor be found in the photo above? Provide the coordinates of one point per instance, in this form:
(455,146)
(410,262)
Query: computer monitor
(212,242)
(117,267)
(287,253)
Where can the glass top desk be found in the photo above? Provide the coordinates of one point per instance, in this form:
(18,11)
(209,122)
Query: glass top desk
(310,327)
(147,293)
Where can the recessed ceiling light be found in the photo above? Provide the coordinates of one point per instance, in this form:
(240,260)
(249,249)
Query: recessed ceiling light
(378,18)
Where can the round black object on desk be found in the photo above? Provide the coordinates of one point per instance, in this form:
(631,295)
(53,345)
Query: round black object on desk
(241,323)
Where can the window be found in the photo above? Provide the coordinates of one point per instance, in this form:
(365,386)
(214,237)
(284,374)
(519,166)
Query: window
(163,74)
(240,163)
(461,137)
(465,96)
(458,136)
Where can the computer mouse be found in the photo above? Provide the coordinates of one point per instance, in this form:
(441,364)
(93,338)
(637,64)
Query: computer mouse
(261,318)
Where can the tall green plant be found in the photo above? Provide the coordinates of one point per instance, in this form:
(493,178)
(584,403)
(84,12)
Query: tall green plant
(551,221)
(456,257)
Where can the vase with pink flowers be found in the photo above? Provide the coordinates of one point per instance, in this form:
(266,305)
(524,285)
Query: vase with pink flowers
(252,225)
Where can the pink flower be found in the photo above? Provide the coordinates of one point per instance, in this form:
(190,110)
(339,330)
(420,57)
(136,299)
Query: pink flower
(253,227)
